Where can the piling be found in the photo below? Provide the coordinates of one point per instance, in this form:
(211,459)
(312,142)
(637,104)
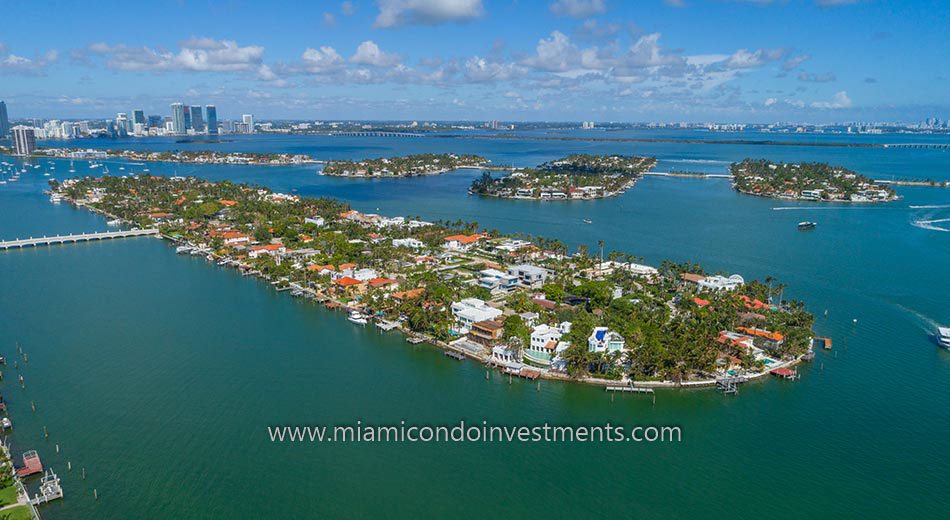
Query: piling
(33,406)
(45,433)
(84,473)
(95,493)
(57,448)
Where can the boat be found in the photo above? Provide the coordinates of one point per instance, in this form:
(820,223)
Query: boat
(183,249)
(6,423)
(588,221)
(358,318)
(806,225)
(56,198)
(943,337)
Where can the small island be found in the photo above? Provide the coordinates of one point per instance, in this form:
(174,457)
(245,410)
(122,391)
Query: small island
(195,157)
(405,166)
(526,307)
(806,181)
(579,176)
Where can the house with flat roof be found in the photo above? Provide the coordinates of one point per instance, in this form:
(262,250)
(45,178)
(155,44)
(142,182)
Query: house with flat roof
(471,310)
(603,339)
(493,279)
(486,332)
(529,275)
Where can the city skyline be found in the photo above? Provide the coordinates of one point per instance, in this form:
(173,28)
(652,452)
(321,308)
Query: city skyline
(676,60)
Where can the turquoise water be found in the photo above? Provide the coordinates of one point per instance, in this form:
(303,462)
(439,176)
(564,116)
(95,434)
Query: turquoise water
(159,373)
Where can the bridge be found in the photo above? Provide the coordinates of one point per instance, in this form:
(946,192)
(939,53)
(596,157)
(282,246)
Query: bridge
(375,133)
(918,145)
(82,237)
(698,175)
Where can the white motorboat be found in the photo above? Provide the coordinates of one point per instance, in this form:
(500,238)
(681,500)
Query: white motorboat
(358,318)
(943,337)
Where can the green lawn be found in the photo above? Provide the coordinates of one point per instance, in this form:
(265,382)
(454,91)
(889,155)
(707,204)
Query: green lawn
(7,496)
(16,513)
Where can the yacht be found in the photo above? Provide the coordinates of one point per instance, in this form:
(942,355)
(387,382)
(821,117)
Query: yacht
(182,249)
(943,337)
(588,221)
(56,197)
(358,318)
(113,222)
(806,225)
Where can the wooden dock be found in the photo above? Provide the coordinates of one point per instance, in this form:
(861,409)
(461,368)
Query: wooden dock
(455,355)
(629,389)
(31,464)
(524,372)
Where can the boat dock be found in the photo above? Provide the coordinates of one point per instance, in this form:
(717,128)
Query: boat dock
(50,489)
(629,389)
(82,237)
(524,372)
(31,464)
(387,325)
(785,373)
(454,355)
(729,385)
(824,343)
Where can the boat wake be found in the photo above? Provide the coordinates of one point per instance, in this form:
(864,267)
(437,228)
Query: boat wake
(811,208)
(929,224)
(932,206)
(926,324)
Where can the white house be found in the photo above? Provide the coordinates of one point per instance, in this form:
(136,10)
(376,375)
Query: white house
(493,279)
(316,220)
(411,243)
(471,310)
(721,283)
(603,339)
(529,275)
(363,275)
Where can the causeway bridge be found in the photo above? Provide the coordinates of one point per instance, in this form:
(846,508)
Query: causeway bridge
(82,237)
(375,133)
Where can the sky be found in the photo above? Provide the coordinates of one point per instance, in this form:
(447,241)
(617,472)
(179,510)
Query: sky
(808,61)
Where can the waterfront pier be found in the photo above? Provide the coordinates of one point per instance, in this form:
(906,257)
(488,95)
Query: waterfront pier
(82,237)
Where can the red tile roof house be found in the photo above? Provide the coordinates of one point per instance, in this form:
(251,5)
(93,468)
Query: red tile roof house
(269,249)
(461,242)
(234,238)
(383,282)
(350,284)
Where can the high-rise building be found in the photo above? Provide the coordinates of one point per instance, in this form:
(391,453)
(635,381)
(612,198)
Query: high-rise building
(138,117)
(4,120)
(24,140)
(122,125)
(248,119)
(212,114)
(187,110)
(178,119)
(156,122)
(197,122)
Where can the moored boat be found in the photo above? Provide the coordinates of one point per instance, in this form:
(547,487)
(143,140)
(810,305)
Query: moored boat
(358,318)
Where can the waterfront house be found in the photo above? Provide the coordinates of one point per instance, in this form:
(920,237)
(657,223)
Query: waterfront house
(234,238)
(529,275)
(486,332)
(603,339)
(269,249)
(350,284)
(506,356)
(388,283)
(364,275)
(471,310)
(460,242)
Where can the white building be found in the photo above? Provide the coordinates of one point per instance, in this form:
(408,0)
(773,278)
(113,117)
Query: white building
(721,283)
(24,140)
(472,310)
(315,220)
(603,339)
(529,275)
(493,279)
(411,243)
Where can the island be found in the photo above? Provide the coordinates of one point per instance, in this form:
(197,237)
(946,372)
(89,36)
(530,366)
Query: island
(578,176)
(525,306)
(405,166)
(806,181)
(196,157)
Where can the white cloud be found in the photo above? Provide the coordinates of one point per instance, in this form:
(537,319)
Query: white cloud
(555,54)
(329,19)
(322,60)
(744,59)
(840,100)
(21,65)
(196,54)
(428,12)
(578,8)
(347,8)
(770,101)
(480,70)
(795,61)
(368,53)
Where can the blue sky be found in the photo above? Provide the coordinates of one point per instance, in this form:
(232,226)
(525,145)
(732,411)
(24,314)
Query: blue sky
(604,60)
